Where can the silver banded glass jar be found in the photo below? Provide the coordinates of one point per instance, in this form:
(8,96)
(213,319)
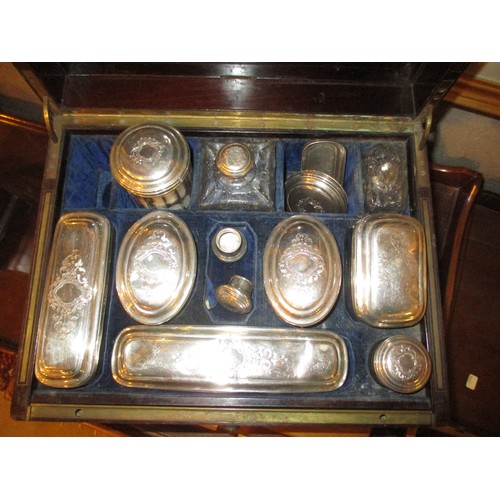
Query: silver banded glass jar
(153,163)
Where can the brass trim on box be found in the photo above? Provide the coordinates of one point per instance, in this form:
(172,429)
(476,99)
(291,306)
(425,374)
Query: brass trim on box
(35,285)
(83,118)
(197,415)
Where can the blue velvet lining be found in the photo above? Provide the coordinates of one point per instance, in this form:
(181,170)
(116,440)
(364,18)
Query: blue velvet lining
(88,185)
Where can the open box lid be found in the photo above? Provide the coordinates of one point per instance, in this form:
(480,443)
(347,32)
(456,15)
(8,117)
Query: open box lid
(370,89)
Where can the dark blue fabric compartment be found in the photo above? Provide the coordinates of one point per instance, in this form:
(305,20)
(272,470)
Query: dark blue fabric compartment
(88,162)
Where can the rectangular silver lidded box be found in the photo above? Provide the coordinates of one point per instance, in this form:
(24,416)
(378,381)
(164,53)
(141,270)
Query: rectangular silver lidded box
(229,359)
(389,270)
(72,309)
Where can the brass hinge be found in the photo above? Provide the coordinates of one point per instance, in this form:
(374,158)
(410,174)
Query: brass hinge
(50,109)
(426,121)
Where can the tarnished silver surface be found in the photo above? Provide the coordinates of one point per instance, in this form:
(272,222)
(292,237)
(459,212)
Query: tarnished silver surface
(302,270)
(229,359)
(325,156)
(234,160)
(402,364)
(389,270)
(153,163)
(229,244)
(385,183)
(156,267)
(70,327)
(236,296)
(314,191)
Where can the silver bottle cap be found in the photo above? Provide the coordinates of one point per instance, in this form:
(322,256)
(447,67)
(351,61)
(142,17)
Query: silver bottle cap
(236,295)
(234,160)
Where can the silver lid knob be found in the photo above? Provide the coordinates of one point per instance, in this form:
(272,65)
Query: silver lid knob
(236,295)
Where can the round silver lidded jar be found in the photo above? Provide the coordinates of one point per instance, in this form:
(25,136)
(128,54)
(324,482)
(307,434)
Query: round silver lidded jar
(402,364)
(153,163)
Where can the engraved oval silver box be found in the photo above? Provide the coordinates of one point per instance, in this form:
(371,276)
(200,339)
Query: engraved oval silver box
(229,359)
(156,267)
(401,364)
(73,302)
(153,163)
(302,270)
(389,270)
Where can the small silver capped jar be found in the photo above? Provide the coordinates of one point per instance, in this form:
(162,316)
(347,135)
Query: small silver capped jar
(234,160)
(401,364)
(229,244)
(153,163)
(385,183)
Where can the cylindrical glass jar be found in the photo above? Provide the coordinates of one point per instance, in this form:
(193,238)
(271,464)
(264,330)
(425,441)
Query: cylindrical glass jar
(153,163)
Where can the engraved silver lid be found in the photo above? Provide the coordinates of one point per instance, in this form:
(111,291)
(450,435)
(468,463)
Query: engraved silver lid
(234,160)
(229,244)
(302,270)
(389,270)
(229,359)
(325,156)
(402,364)
(150,159)
(314,191)
(236,296)
(73,303)
(156,267)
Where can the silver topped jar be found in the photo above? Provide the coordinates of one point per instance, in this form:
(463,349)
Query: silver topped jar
(153,163)
(401,364)
(235,160)
(156,267)
(302,270)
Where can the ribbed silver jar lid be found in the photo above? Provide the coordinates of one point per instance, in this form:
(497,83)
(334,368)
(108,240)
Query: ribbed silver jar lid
(315,191)
(402,364)
(150,159)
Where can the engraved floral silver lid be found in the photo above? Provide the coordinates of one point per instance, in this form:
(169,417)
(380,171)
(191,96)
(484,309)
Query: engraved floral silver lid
(229,359)
(150,159)
(73,302)
(302,270)
(156,267)
(402,364)
(389,270)
(315,191)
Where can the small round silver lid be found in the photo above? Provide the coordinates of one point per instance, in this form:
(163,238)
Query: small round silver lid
(229,244)
(150,159)
(402,364)
(234,160)
(315,191)
(236,295)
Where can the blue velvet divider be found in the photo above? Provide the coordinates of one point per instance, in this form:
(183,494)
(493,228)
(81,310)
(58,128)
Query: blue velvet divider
(88,185)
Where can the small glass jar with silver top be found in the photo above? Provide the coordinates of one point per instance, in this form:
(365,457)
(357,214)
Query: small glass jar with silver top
(153,163)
